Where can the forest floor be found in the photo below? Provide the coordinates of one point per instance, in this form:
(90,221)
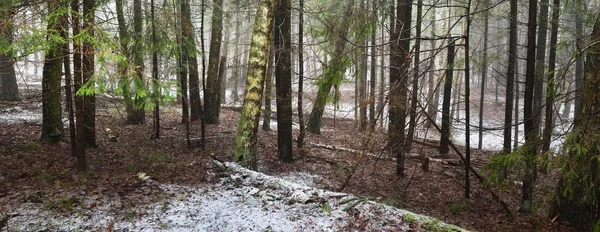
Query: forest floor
(42,176)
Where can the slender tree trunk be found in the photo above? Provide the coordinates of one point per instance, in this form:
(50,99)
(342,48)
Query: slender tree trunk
(224,64)
(189,44)
(467,102)
(68,85)
(579,44)
(9,90)
(123,66)
(88,72)
(138,61)
(510,77)
(415,81)
(517,94)
(235,96)
(269,86)
(399,65)
(529,114)
(445,137)
(156,93)
(373,76)
(78,82)
(484,68)
(432,82)
(550,86)
(301,74)
(212,90)
(52,125)
(283,79)
(246,139)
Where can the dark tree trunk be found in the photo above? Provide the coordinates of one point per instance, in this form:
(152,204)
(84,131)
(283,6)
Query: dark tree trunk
(510,77)
(283,79)
(9,90)
(138,61)
(189,40)
(467,104)
(550,82)
(301,73)
(399,65)
(373,76)
(531,128)
(87,70)
(212,89)
(484,68)
(415,81)
(157,94)
(445,137)
(52,125)
(579,44)
(78,82)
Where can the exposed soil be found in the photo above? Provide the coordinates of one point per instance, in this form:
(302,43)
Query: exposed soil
(36,172)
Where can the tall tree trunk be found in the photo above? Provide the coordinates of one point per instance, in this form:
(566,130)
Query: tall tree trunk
(52,125)
(64,33)
(189,40)
(87,69)
(235,96)
(78,82)
(415,81)
(445,136)
(578,189)
(212,89)
(467,102)
(123,66)
(531,133)
(579,45)
(246,139)
(156,92)
(373,76)
(432,82)
(301,74)
(9,90)
(283,79)
(269,86)
(138,62)
(484,68)
(540,69)
(399,65)
(333,75)
(550,82)
(224,64)
(510,77)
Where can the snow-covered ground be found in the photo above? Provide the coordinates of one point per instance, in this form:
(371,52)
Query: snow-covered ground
(244,200)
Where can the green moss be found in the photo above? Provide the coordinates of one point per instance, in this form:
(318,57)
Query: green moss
(29,145)
(45,177)
(66,203)
(460,206)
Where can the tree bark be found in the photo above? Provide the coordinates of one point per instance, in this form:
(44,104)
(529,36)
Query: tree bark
(9,90)
(81,162)
(445,135)
(269,86)
(484,69)
(510,78)
(212,83)
(283,79)
(301,74)
(52,125)
(399,65)
(246,139)
(415,80)
(531,128)
(550,82)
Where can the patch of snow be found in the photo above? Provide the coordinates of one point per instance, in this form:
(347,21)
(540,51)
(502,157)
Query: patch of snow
(243,201)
